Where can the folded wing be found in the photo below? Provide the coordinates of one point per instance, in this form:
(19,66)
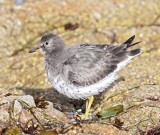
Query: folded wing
(91,63)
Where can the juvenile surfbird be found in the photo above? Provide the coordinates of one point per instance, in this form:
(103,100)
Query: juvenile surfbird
(84,70)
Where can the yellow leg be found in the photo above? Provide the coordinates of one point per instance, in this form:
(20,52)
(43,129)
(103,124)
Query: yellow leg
(87,102)
(88,106)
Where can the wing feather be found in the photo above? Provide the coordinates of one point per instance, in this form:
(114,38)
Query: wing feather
(91,63)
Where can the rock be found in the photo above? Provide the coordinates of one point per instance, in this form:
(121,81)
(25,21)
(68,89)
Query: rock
(23,111)
(55,113)
(109,22)
(98,129)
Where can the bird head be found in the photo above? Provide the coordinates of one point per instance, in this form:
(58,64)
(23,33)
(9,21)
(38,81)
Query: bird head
(49,43)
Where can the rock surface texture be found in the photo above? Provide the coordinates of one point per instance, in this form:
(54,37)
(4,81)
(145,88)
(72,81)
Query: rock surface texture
(137,88)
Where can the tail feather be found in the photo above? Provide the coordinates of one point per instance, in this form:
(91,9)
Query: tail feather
(129,41)
(134,44)
(122,51)
(134,52)
(129,44)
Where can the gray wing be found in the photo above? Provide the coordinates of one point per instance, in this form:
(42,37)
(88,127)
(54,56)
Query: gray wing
(91,63)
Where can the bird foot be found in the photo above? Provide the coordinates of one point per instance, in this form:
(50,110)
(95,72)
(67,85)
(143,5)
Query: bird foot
(88,106)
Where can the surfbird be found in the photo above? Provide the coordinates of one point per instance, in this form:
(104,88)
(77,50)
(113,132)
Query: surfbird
(84,70)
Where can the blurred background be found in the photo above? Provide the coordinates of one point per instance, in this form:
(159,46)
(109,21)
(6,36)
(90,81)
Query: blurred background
(23,22)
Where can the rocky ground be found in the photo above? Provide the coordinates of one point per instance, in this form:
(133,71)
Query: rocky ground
(138,87)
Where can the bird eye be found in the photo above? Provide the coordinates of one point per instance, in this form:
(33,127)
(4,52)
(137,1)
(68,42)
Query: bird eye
(46,43)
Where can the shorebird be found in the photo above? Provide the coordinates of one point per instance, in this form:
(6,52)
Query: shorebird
(84,70)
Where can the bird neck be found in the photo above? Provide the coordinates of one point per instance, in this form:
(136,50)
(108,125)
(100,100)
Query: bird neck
(55,58)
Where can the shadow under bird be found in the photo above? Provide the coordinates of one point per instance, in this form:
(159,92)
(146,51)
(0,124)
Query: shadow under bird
(84,70)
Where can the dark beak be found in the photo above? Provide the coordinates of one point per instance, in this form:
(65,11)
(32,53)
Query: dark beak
(34,49)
